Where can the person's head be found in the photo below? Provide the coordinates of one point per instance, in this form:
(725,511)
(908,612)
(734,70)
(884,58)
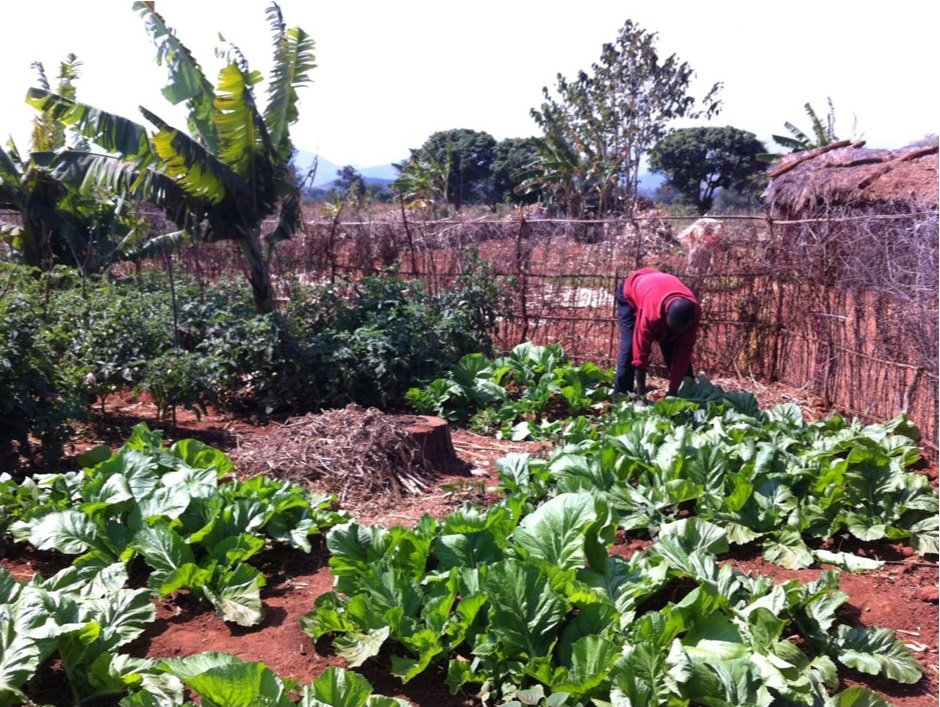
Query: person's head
(680,315)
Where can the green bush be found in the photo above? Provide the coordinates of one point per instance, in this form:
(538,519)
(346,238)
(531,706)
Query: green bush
(390,335)
(69,341)
(179,378)
(246,357)
(113,330)
(37,398)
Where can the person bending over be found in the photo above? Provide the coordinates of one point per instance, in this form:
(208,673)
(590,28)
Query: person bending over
(654,306)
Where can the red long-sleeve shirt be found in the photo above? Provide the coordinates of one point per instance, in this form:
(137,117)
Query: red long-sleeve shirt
(651,292)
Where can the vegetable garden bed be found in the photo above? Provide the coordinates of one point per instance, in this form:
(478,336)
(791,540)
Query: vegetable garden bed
(900,594)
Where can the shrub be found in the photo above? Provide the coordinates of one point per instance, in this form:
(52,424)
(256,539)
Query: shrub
(37,398)
(179,378)
(390,334)
(113,330)
(68,341)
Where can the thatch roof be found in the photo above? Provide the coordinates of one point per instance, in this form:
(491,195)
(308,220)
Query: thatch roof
(849,175)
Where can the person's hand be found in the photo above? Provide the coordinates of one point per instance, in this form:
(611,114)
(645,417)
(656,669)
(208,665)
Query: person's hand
(644,400)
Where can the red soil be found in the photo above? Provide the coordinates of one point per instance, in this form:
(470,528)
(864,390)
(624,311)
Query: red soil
(902,595)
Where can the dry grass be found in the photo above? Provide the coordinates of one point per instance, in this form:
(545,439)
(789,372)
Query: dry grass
(353,453)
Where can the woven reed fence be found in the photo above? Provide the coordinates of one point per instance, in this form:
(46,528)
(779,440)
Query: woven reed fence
(844,307)
(778,301)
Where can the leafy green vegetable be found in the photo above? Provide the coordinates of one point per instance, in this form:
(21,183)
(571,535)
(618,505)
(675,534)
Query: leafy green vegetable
(168,506)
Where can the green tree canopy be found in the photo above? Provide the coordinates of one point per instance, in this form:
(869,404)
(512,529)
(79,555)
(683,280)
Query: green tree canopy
(514,160)
(598,127)
(350,181)
(699,161)
(465,155)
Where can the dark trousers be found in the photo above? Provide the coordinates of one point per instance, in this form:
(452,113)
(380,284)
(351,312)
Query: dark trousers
(626,319)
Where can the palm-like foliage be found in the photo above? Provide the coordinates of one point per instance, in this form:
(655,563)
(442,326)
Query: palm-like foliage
(34,195)
(422,181)
(58,224)
(225,176)
(559,174)
(822,131)
(49,135)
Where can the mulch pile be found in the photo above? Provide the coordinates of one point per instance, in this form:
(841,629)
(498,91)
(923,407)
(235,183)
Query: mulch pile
(770,394)
(354,453)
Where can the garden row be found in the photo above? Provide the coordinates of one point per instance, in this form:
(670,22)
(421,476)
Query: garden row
(66,343)
(521,599)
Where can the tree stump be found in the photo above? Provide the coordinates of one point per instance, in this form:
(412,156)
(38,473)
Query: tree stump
(432,435)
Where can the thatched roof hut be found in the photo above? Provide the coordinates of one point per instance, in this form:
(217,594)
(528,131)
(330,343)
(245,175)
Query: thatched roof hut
(849,176)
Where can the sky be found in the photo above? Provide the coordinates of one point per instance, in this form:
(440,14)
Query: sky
(389,74)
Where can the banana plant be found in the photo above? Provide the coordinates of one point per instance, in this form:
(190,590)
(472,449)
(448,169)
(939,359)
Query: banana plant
(30,190)
(822,131)
(34,195)
(229,172)
(423,181)
(60,223)
(557,172)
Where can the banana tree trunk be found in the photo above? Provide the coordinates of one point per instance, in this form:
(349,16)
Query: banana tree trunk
(259,275)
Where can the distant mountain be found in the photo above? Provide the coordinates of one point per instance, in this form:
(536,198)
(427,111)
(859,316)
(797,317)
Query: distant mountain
(385,173)
(649,183)
(382,172)
(327,170)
